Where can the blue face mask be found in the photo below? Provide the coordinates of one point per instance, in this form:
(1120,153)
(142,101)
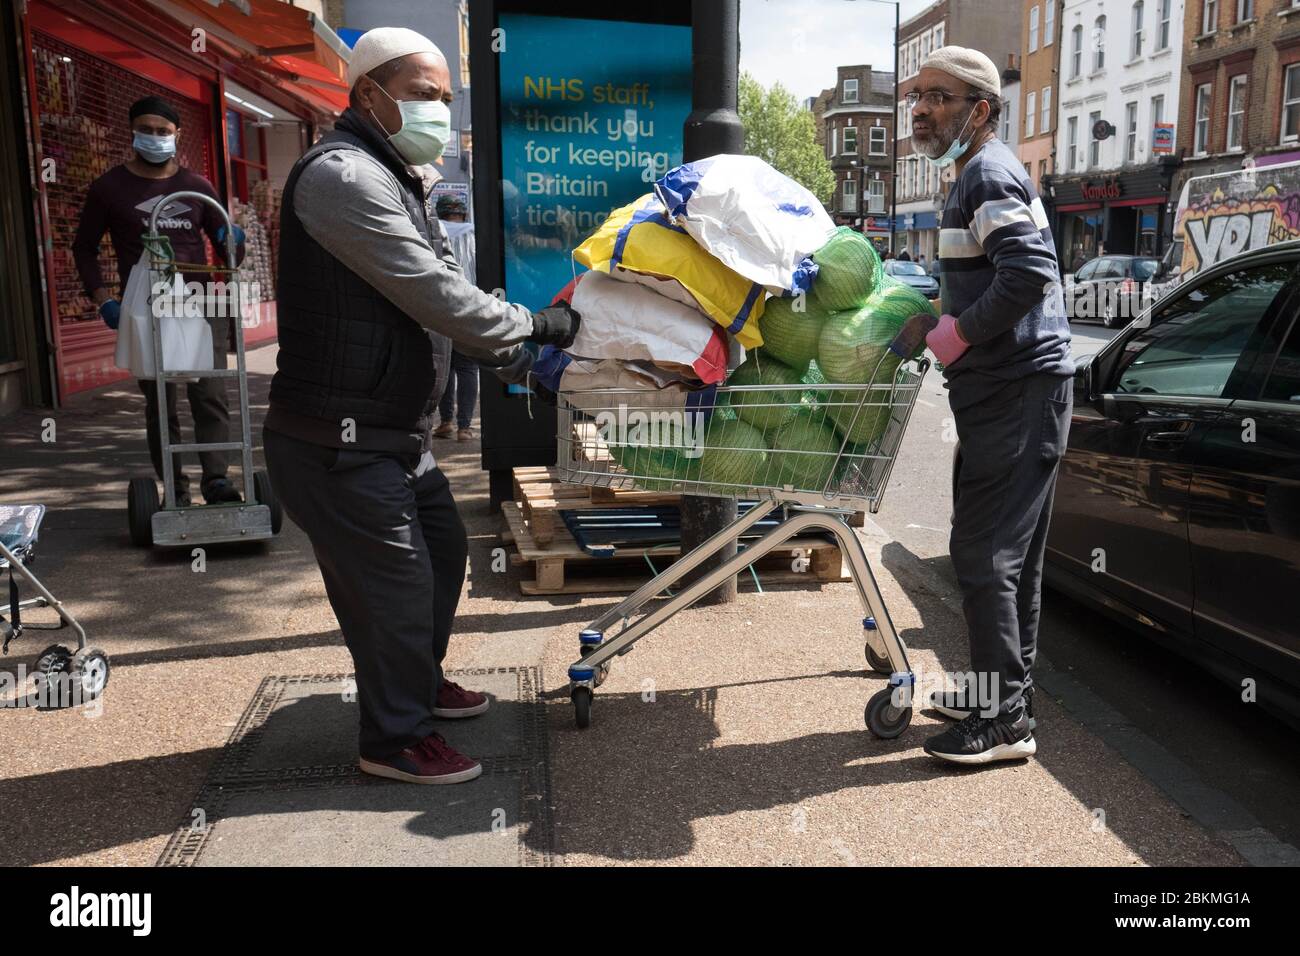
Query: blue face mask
(956,150)
(154,149)
(426,128)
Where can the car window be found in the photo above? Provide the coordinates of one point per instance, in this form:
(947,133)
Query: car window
(1113,269)
(1086,270)
(1283,383)
(1144,269)
(907,269)
(1193,344)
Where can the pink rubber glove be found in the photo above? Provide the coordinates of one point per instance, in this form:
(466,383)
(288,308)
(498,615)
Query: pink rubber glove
(945,340)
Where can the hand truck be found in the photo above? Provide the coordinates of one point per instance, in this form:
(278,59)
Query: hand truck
(258,516)
(855,475)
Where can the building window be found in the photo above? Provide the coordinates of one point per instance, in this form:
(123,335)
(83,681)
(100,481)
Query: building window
(1291,104)
(1201,137)
(462,13)
(876,140)
(1157,109)
(938,35)
(1031,108)
(1076,52)
(1237,111)
(1033,27)
(1209,16)
(834,141)
(925,45)
(1135,49)
(1049,22)
(1130,132)
(850,196)
(1042,169)
(1094,144)
(1245,10)
(1162,28)
(876,193)
(1045,123)
(1072,142)
(1099,44)
(849,94)
(850,147)
(1005,133)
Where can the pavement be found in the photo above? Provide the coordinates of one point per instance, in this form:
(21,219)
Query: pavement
(731,736)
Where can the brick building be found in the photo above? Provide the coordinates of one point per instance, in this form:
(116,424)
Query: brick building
(857,130)
(1040,57)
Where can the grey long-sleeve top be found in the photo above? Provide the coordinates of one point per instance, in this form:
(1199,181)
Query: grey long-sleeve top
(352,206)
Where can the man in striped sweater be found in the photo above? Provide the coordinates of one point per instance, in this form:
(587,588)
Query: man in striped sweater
(1005,344)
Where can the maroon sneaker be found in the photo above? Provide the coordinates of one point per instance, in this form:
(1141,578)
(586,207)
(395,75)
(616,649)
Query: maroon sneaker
(432,760)
(456,701)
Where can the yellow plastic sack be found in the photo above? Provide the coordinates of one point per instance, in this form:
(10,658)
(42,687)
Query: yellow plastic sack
(639,244)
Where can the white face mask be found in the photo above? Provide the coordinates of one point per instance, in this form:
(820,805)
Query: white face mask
(426,128)
(155,150)
(956,149)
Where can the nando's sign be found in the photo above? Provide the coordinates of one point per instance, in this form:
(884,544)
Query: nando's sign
(1106,189)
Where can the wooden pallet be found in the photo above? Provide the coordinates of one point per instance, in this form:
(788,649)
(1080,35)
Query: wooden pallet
(553,566)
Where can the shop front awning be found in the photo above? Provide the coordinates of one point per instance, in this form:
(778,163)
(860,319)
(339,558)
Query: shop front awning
(296,49)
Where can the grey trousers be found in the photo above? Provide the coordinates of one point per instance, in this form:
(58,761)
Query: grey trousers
(208,407)
(1011,446)
(392,550)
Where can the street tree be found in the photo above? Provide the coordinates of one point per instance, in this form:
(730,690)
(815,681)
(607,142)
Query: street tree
(782,133)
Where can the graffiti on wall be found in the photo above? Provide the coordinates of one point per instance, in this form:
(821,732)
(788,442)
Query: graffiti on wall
(1255,212)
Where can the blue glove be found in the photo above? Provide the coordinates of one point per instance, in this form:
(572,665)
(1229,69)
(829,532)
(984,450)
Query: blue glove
(111,312)
(239,235)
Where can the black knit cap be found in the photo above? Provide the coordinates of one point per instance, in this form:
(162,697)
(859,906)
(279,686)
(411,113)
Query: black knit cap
(449,203)
(155,106)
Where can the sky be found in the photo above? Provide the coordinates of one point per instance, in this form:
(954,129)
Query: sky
(799,43)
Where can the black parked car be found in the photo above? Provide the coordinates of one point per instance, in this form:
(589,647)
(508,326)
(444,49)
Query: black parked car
(1178,501)
(913,274)
(1109,288)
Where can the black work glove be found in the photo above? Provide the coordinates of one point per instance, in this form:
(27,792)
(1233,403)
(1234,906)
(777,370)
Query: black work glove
(555,325)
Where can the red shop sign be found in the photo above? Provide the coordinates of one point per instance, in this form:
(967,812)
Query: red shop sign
(1107,189)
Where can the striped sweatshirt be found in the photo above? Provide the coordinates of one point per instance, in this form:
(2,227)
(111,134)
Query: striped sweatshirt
(1000,278)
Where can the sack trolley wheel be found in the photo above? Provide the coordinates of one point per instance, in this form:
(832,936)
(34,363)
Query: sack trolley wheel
(141,505)
(266,496)
(581,697)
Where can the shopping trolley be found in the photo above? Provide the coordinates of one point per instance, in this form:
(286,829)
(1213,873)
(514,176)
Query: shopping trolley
(814,488)
(87,667)
(165,523)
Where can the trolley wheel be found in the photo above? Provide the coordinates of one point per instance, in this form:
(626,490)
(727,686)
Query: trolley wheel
(876,661)
(884,719)
(89,668)
(50,664)
(141,505)
(266,496)
(581,698)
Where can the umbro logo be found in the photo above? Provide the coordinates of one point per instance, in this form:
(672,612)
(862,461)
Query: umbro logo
(173,210)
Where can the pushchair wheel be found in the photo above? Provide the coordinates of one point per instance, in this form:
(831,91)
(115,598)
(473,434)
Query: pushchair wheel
(141,505)
(50,665)
(89,668)
(884,718)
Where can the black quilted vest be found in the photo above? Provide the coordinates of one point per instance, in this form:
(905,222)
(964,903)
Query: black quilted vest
(351,364)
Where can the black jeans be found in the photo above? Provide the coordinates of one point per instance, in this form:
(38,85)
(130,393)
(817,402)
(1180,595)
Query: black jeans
(393,553)
(461,391)
(1011,446)
(208,406)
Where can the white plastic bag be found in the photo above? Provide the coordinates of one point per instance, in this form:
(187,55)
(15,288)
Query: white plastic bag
(624,320)
(759,222)
(186,339)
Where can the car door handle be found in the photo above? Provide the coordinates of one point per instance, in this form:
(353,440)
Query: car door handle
(1166,438)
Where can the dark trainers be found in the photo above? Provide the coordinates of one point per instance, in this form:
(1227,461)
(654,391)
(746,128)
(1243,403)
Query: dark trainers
(445,430)
(980,740)
(431,761)
(456,701)
(220,491)
(952,703)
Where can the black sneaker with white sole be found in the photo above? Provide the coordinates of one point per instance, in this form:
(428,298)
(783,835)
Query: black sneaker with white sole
(981,740)
(952,703)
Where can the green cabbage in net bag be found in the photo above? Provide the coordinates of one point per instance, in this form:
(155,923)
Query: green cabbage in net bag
(765,410)
(804,452)
(791,335)
(848,271)
(656,468)
(735,453)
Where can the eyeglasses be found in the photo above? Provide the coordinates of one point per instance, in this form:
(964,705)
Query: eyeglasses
(936,98)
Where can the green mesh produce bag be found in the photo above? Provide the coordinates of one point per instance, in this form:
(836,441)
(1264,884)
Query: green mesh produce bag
(804,452)
(791,335)
(735,454)
(656,468)
(848,271)
(765,410)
